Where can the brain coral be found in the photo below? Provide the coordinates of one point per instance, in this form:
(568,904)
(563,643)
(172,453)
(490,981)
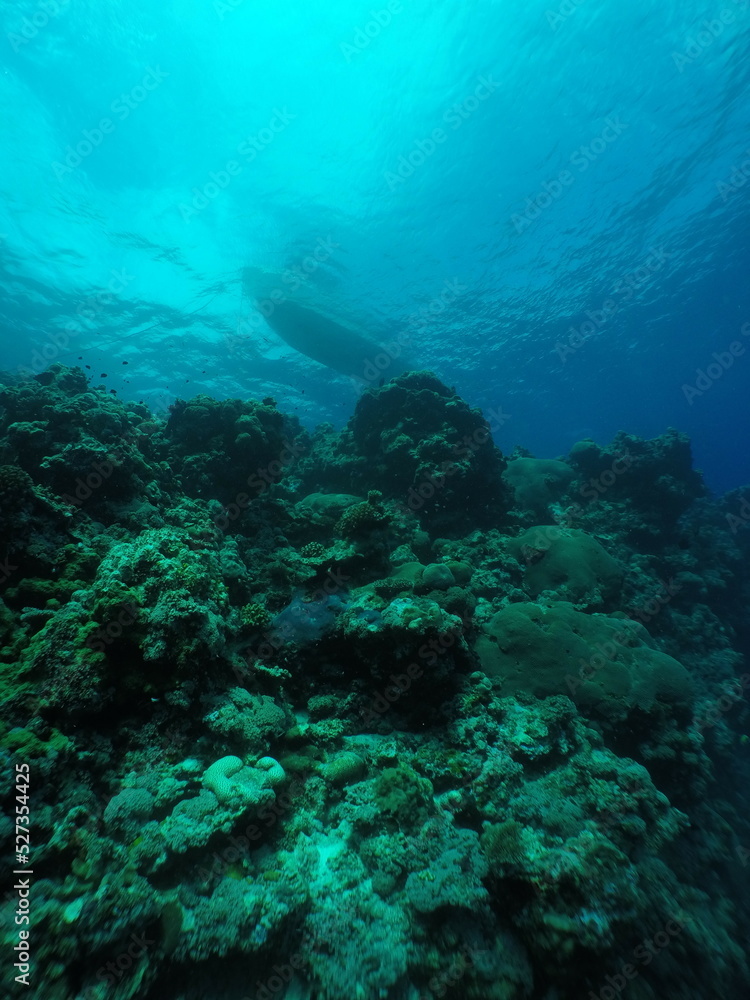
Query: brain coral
(230,780)
(604,663)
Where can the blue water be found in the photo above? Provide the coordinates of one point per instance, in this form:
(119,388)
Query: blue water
(486,176)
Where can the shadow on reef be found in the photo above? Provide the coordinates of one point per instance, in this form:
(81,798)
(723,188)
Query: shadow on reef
(378,712)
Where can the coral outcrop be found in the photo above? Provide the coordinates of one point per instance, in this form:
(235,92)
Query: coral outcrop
(368,713)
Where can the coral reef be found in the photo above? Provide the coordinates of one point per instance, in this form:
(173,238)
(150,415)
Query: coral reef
(372,713)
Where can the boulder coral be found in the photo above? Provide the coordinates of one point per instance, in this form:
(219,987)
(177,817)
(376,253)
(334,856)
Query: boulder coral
(568,564)
(609,666)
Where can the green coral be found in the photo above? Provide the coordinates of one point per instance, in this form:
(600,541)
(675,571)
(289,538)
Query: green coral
(404,577)
(416,774)
(391,587)
(29,746)
(364,517)
(16,487)
(567,562)
(255,617)
(313,550)
(607,665)
(232,781)
(537,482)
(502,844)
(403,795)
(344,768)
(417,614)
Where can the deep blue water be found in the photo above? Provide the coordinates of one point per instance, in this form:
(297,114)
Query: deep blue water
(480,178)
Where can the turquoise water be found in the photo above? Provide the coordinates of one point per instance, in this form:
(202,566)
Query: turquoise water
(374,505)
(327,112)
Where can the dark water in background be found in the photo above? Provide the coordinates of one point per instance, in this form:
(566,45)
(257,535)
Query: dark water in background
(487,177)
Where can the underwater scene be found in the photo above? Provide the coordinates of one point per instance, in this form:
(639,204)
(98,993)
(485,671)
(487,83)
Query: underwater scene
(374,500)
